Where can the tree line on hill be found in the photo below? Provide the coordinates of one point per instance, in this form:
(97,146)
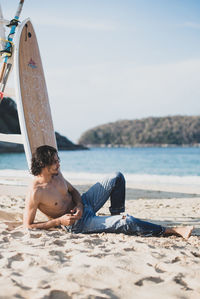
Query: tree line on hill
(151,131)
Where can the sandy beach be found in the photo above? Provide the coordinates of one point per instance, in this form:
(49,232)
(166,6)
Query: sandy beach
(56,264)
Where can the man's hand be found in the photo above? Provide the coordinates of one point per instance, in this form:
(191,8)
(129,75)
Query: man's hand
(68,219)
(77,211)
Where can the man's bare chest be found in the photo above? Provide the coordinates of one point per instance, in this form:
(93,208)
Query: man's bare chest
(56,200)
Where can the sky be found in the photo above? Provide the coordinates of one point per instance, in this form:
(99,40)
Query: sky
(109,60)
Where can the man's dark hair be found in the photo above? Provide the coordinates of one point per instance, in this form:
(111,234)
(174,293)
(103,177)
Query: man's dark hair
(43,156)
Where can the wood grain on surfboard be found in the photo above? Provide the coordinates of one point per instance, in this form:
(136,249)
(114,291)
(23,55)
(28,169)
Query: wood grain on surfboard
(35,113)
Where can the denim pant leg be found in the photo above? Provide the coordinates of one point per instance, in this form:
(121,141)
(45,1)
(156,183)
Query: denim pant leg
(128,225)
(117,197)
(113,187)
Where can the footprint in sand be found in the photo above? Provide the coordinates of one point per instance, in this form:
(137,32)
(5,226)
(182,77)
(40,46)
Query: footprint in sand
(158,255)
(156,268)
(176,259)
(151,246)
(15,258)
(107,292)
(59,254)
(138,241)
(54,234)
(98,255)
(159,270)
(43,284)
(179,280)
(102,246)
(5,232)
(93,241)
(59,243)
(56,294)
(16,235)
(129,249)
(150,278)
(196,254)
(88,243)
(16,274)
(47,269)
(72,236)
(35,235)
(23,287)
(5,240)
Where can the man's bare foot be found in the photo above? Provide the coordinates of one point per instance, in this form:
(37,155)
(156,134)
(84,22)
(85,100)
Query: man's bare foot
(182,231)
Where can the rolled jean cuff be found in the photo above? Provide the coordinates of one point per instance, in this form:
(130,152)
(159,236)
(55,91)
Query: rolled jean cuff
(67,228)
(163,229)
(117,210)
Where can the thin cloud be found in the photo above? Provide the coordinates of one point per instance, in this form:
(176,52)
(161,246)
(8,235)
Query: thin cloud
(191,25)
(78,24)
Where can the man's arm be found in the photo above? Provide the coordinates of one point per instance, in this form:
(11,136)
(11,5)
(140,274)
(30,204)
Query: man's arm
(76,197)
(31,207)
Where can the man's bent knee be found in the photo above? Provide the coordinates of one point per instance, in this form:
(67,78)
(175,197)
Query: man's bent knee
(120,177)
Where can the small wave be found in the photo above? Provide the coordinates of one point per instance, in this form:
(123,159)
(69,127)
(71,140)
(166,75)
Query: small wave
(14,172)
(14,177)
(21,177)
(163,179)
(12,183)
(136,178)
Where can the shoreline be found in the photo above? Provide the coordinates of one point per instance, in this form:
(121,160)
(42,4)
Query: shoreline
(165,183)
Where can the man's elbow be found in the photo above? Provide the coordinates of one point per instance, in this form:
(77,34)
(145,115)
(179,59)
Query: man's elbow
(27,225)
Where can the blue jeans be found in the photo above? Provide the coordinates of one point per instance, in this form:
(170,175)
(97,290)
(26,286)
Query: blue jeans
(95,198)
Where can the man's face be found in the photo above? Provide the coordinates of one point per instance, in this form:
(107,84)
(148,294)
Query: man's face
(54,168)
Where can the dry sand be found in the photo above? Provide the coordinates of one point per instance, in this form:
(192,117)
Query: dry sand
(55,264)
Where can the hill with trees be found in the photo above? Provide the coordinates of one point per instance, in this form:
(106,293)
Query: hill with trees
(151,131)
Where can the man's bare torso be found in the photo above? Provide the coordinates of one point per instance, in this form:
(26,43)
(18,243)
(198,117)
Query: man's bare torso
(54,197)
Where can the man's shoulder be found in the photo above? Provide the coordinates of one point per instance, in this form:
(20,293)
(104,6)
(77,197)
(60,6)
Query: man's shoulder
(60,175)
(35,189)
(60,179)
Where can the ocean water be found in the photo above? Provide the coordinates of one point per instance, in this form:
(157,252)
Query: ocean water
(156,161)
(180,165)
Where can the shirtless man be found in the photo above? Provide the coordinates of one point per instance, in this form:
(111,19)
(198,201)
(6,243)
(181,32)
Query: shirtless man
(64,206)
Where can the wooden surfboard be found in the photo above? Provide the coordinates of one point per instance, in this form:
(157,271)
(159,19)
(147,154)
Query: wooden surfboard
(31,92)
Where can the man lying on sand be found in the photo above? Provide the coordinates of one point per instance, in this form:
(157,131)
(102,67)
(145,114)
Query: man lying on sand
(64,206)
